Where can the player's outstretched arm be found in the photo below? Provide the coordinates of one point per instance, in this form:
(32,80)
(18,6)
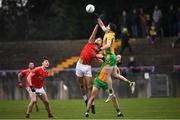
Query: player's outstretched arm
(101,24)
(93,35)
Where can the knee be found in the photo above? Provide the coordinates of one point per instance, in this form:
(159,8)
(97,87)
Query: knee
(46,102)
(81,86)
(114,96)
(33,101)
(92,98)
(90,87)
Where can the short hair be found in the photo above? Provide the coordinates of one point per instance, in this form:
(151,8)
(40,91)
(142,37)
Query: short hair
(112,27)
(44,58)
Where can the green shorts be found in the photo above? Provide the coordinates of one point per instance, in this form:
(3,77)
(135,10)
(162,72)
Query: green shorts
(100,84)
(111,60)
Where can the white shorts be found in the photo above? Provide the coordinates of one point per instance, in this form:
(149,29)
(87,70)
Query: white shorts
(83,70)
(38,91)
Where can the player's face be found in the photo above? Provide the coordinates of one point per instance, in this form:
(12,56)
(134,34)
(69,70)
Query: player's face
(31,65)
(45,63)
(98,42)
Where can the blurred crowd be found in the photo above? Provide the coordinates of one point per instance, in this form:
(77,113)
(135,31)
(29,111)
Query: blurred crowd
(26,19)
(142,24)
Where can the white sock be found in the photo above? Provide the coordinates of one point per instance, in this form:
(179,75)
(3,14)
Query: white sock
(93,103)
(85,97)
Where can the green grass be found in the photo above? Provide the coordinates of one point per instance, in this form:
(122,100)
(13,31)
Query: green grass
(154,108)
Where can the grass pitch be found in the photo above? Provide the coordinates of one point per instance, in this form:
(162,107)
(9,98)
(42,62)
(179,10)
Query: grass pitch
(133,108)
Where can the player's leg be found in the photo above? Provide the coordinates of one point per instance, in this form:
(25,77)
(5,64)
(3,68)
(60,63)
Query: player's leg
(43,96)
(89,83)
(36,105)
(116,104)
(83,89)
(108,68)
(32,96)
(80,79)
(108,72)
(118,76)
(91,100)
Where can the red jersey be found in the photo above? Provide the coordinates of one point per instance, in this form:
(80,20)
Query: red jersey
(39,77)
(25,73)
(88,53)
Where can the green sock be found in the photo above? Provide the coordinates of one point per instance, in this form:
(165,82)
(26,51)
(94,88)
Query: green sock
(129,82)
(87,110)
(110,91)
(117,109)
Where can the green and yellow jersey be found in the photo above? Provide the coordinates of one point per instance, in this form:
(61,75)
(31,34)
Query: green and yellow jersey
(100,81)
(109,36)
(109,53)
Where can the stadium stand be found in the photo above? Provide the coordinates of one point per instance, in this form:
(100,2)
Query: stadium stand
(18,54)
(158,58)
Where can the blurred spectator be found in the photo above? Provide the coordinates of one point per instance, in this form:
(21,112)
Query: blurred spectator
(171,21)
(152,33)
(123,21)
(178,20)
(134,21)
(143,22)
(176,41)
(125,38)
(157,15)
(132,65)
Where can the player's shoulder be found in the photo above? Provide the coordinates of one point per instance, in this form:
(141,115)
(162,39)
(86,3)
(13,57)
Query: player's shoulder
(106,32)
(37,68)
(25,70)
(112,33)
(90,43)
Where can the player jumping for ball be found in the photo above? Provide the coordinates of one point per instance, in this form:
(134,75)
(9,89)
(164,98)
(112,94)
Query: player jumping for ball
(109,53)
(83,66)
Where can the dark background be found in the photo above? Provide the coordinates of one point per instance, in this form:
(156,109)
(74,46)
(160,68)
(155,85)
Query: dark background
(64,19)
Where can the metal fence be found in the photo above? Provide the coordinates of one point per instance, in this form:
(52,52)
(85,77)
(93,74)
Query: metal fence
(65,86)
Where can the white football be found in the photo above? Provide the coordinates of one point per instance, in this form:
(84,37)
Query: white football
(90,8)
